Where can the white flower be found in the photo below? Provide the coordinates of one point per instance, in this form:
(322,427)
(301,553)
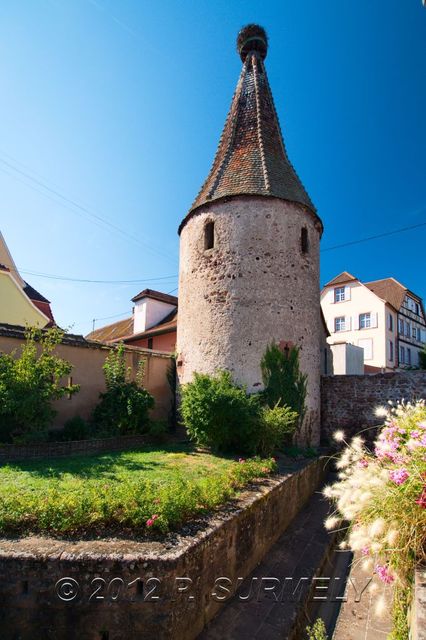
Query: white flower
(377,527)
(357,442)
(339,435)
(380,606)
(392,537)
(381,412)
(367,565)
(328,491)
(331,522)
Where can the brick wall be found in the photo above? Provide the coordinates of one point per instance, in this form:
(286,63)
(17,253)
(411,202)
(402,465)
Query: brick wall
(348,402)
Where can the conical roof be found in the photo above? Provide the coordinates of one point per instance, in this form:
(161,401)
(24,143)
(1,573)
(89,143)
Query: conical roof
(251,158)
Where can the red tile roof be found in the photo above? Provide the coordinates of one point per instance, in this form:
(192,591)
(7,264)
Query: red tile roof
(389,290)
(251,158)
(343,277)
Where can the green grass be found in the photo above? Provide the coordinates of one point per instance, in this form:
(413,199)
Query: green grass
(119,492)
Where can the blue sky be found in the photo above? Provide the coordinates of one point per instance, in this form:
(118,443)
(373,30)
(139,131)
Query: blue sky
(111,112)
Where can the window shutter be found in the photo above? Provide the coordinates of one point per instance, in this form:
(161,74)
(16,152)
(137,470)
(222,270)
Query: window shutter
(348,323)
(374,320)
(347,293)
(355,323)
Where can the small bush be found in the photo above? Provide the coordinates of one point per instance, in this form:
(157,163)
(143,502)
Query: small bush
(219,414)
(317,631)
(276,428)
(74,429)
(124,407)
(29,383)
(284,383)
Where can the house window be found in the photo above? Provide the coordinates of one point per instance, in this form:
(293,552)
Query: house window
(340,324)
(367,345)
(401,355)
(407,329)
(150,343)
(209,235)
(339,294)
(390,322)
(401,326)
(408,356)
(364,320)
(414,333)
(417,308)
(304,240)
(391,350)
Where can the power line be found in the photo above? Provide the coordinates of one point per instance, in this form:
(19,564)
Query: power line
(376,237)
(93,215)
(87,280)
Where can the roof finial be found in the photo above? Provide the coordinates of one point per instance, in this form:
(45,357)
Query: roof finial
(252,37)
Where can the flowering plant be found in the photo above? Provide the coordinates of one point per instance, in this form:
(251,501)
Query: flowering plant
(382,494)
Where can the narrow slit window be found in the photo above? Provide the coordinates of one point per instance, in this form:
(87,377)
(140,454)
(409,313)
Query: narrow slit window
(209,235)
(304,240)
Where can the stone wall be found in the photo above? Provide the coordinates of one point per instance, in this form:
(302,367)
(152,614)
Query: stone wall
(348,402)
(121,588)
(254,286)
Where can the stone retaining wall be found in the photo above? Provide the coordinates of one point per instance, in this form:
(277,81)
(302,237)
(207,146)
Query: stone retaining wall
(348,402)
(121,589)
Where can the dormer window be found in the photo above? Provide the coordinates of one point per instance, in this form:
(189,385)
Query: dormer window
(209,235)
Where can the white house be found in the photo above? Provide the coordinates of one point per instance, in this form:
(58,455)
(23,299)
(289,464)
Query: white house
(383,317)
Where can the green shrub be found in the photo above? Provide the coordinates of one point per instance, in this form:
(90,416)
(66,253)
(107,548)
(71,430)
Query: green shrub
(317,631)
(284,384)
(124,407)
(158,430)
(29,384)
(276,428)
(74,429)
(219,414)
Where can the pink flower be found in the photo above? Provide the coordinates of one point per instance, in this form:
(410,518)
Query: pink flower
(363,463)
(365,551)
(398,476)
(241,460)
(415,434)
(151,520)
(421,500)
(384,574)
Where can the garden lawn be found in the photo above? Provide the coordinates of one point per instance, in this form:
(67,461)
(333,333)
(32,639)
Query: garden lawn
(155,489)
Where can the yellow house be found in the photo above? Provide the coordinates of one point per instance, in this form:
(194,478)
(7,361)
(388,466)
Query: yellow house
(20,304)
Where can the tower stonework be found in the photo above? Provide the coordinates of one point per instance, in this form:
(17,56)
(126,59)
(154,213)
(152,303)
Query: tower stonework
(249,249)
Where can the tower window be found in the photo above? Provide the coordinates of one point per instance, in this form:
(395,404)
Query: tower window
(304,240)
(209,235)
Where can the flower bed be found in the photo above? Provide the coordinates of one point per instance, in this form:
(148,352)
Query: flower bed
(154,489)
(382,493)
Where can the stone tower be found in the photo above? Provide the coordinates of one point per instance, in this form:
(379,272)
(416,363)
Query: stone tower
(249,248)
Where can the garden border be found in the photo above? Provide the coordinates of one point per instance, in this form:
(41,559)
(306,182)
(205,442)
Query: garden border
(20,452)
(231,544)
